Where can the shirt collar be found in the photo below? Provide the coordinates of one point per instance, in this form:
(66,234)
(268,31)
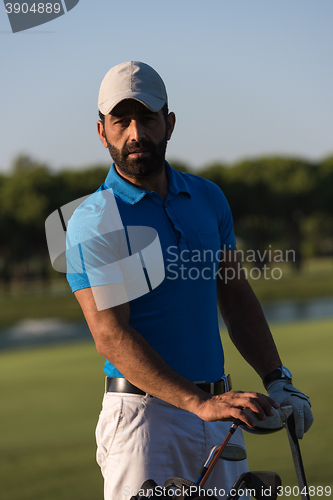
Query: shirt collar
(133,194)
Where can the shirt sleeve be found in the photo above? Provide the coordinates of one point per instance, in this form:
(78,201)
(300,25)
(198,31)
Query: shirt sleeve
(105,256)
(96,261)
(96,243)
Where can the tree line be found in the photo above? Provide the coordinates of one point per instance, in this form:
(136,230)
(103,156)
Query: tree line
(277,203)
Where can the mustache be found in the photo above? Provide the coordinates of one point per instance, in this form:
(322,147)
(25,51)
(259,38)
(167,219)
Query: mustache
(135,146)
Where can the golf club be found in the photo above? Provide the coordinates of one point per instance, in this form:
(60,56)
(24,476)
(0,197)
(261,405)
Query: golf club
(261,485)
(233,453)
(273,423)
(215,455)
(296,452)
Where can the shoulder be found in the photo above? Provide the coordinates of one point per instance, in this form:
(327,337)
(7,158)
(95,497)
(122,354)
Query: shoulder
(97,214)
(204,187)
(91,205)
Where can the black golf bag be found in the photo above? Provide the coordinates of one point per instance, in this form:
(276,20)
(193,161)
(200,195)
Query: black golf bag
(175,488)
(260,485)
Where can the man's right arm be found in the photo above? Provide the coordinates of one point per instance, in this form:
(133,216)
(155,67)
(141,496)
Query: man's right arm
(139,363)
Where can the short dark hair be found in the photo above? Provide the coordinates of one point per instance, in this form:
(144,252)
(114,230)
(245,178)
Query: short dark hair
(165,110)
(102,117)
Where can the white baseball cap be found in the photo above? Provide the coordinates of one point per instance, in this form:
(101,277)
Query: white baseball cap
(132,80)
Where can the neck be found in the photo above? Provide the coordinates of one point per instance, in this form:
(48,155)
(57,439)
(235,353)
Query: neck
(158,183)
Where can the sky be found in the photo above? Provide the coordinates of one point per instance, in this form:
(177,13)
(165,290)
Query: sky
(245,78)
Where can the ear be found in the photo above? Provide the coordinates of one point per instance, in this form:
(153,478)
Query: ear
(171,124)
(101,133)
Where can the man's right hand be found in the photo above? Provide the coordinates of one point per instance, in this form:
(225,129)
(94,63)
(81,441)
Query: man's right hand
(230,406)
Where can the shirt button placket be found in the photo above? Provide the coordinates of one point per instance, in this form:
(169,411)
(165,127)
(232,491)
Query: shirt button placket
(182,240)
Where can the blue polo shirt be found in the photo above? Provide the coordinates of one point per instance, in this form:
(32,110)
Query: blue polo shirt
(179,317)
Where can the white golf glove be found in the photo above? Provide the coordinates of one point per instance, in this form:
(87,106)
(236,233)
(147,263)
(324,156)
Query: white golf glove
(286,394)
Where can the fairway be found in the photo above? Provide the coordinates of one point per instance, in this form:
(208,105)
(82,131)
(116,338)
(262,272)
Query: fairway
(306,348)
(51,397)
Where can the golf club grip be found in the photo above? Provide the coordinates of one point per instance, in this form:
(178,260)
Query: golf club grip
(297,458)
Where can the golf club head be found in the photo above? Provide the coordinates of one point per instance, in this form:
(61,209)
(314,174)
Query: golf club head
(263,485)
(233,453)
(271,424)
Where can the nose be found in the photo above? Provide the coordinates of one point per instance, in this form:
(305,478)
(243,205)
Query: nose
(136,131)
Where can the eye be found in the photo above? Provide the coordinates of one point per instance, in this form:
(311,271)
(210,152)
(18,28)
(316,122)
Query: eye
(122,121)
(148,118)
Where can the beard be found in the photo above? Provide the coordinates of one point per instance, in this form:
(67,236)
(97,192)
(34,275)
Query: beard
(141,168)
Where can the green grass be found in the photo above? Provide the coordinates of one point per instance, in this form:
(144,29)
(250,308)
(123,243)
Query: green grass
(314,280)
(306,348)
(35,300)
(50,400)
(51,397)
(22,306)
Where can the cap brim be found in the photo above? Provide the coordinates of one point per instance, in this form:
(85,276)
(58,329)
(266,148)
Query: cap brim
(152,103)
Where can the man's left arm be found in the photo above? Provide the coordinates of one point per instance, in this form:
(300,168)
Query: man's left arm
(250,333)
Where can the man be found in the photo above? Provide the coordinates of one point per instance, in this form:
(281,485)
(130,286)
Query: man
(167,399)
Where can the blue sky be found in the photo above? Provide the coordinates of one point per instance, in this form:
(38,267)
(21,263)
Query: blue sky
(244,77)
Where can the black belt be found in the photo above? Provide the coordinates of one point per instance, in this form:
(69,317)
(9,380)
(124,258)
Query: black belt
(123,385)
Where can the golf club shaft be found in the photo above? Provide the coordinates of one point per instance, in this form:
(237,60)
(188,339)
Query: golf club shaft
(297,458)
(206,464)
(206,473)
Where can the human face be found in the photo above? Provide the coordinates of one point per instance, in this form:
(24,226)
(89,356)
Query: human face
(136,138)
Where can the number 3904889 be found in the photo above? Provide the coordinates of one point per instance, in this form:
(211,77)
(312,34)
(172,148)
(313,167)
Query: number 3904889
(311,491)
(35,8)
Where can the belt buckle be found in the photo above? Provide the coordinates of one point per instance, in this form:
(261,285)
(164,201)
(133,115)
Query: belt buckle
(226,383)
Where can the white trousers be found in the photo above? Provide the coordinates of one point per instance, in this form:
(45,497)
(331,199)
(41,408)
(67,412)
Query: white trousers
(140,438)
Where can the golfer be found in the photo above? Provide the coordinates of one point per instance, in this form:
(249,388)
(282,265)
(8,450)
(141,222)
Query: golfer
(167,399)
